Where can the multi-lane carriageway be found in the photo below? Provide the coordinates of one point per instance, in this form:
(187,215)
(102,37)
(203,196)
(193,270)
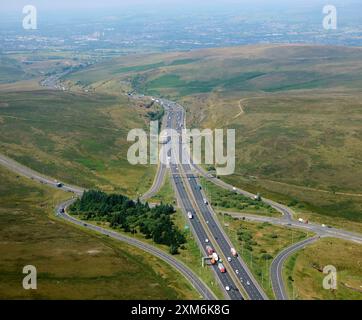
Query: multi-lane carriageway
(206,226)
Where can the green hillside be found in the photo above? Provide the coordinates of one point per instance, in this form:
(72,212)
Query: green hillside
(75,138)
(72,263)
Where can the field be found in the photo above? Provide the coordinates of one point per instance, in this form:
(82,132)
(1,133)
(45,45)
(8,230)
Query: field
(258,244)
(304,272)
(72,264)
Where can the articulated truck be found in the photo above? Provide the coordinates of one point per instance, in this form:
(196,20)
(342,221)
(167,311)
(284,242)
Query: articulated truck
(233,252)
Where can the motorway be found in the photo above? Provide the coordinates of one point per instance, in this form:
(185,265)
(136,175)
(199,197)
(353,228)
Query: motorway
(206,226)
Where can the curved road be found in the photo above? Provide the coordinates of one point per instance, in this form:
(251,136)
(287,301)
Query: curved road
(276,268)
(198,284)
(310,227)
(18,168)
(162,169)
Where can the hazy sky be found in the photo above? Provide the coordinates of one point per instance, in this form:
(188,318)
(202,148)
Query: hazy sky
(15,5)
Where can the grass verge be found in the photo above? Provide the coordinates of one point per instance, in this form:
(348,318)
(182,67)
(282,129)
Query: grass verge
(304,271)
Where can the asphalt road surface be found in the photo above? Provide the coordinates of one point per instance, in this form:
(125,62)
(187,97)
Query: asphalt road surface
(277,267)
(162,168)
(31,174)
(310,227)
(236,268)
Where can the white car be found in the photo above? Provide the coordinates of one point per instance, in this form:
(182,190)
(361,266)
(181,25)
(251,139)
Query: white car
(229,259)
(227,288)
(207,240)
(237,271)
(248,283)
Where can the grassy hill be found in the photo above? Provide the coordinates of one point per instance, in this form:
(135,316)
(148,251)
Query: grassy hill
(74,137)
(296,110)
(71,264)
(78,138)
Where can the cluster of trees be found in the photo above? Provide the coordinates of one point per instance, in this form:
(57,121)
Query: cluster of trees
(157,116)
(132,216)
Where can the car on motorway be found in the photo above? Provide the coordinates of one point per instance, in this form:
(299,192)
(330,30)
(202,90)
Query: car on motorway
(190,215)
(248,283)
(59,184)
(206,202)
(229,259)
(227,288)
(207,240)
(237,271)
(209,250)
(221,267)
